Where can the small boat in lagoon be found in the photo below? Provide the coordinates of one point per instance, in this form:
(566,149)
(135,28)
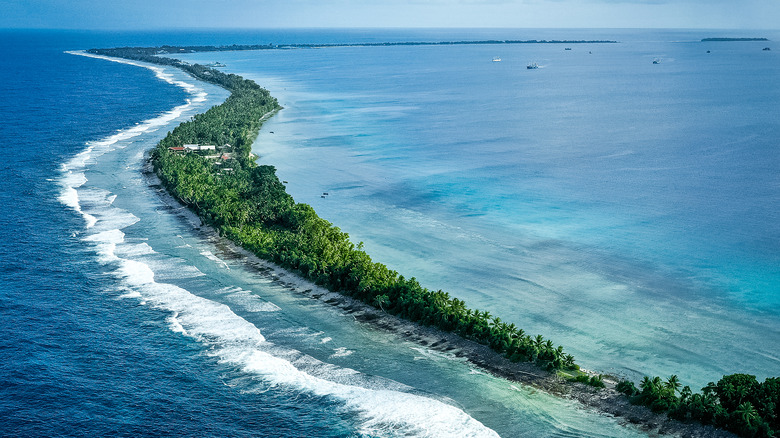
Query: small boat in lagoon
(532,66)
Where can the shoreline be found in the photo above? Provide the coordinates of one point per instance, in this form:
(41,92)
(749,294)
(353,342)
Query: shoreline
(606,401)
(418,307)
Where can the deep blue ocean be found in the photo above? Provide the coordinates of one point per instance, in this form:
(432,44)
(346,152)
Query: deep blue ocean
(625,209)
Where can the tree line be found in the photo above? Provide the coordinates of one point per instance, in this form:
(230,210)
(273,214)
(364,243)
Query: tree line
(246,202)
(250,205)
(738,402)
(146,53)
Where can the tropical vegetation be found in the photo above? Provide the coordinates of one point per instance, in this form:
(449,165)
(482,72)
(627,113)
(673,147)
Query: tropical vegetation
(738,402)
(246,202)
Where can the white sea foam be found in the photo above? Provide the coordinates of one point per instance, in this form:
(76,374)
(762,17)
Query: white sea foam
(175,324)
(384,408)
(131,294)
(96,203)
(105,244)
(73,175)
(134,250)
(341,352)
(237,342)
(427,353)
(198,94)
(182,270)
(247,300)
(210,255)
(384,412)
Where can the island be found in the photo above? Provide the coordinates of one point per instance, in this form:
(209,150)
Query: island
(207,165)
(733,39)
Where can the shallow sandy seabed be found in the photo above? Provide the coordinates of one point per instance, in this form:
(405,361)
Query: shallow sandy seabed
(607,401)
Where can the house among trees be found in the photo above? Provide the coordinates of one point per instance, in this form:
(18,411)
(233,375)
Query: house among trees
(205,147)
(198,147)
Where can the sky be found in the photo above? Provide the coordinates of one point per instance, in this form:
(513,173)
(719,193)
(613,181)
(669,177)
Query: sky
(166,14)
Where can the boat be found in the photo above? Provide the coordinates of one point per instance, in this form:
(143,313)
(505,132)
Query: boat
(656,61)
(496,59)
(567,48)
(532,66)
(766,49)
(215,64)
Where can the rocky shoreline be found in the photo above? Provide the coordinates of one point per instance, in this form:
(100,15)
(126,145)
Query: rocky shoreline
(607,401)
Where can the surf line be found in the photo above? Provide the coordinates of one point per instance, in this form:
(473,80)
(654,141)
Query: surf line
(247,203)
(235,340)
(272,225)
(73,170)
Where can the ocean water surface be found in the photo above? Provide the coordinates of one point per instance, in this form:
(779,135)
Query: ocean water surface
(626,209)
(120,318)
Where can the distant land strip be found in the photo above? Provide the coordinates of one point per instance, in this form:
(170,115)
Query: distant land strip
(247,203)
(162,50)
(733,39)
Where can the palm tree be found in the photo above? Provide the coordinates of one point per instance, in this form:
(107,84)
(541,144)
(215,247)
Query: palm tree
(673,384)
(685,393)
(568,361)
(380,300)
(747,413)
(657,384)
(646,384)
(711,388)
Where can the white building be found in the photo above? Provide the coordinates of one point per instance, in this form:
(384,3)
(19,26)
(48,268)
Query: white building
(198,147)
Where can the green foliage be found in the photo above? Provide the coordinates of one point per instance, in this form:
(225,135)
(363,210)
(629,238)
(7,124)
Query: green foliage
(249,205)
(594,381)
(738,402)
(627,388)
(735,389)
(381,301)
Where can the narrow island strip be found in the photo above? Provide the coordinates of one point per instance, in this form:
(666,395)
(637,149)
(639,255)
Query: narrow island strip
(137,52)
(207,165)
(722,39)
